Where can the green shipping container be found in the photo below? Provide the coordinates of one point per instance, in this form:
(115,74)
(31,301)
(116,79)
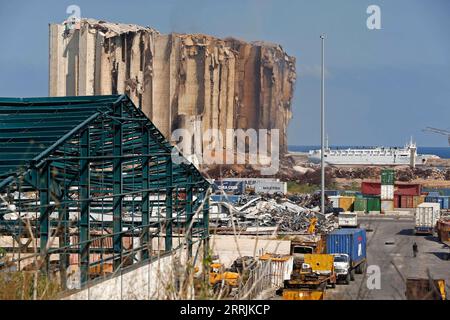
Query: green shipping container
(387,176)
(360,204)
(373,204)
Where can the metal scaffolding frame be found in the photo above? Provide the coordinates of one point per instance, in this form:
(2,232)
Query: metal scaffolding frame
(94,184)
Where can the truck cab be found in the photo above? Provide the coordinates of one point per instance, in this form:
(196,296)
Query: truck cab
(342,267)
(306,244)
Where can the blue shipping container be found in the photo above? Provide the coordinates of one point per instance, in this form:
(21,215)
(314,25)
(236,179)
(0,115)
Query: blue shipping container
(229,187)
(234,199)
(445,202)
(348,241)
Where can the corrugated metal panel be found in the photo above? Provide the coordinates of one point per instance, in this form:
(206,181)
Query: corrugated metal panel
(445,202)
(371,188)
(387,177)
(396,201)
(407,202)
(360,204)
(411,189)
(373,204)
(332,192)
(418,200)
(349,241)
(406,189)
(387,192)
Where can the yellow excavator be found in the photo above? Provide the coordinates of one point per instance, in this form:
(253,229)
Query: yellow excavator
(220,279)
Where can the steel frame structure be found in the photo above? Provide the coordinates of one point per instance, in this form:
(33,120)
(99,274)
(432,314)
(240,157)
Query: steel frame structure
(91,182)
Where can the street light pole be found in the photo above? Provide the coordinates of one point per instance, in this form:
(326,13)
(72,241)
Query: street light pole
(322,127)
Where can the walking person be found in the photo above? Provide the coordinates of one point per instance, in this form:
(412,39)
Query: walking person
(415,250)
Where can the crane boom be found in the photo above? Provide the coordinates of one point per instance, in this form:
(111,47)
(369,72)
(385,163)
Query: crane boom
(438,131)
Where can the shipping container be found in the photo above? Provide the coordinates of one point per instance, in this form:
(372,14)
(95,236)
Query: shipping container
(348,241)
(360,204)
(445,202)
(442,200)
(407,201)
(426,217)
(268,187)
(234,199)
(370,188)
(406,189)
(433,194)
(229,187)
(396,201)
(387,205)
(387,192)
(346,203)
(417,200)
(373,204)
(332,192)
(387,177)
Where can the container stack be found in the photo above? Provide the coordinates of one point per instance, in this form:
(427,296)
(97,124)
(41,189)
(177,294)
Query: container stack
(387,190)
(434,196)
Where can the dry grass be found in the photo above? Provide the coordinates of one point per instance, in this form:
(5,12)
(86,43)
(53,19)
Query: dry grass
(21,285)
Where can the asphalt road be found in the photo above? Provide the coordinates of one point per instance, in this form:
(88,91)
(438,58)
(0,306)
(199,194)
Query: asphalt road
(390,248)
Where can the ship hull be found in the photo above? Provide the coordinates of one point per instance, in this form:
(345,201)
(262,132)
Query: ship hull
(362,160)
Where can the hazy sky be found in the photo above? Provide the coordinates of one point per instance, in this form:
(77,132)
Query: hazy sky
(382,86)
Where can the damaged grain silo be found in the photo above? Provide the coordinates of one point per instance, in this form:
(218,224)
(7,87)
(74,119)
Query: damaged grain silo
(177,79)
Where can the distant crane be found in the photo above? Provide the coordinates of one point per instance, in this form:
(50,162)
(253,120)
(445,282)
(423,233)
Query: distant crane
(438,131)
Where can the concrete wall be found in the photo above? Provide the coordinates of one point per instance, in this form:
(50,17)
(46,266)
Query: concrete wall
(229,248)
(152,281)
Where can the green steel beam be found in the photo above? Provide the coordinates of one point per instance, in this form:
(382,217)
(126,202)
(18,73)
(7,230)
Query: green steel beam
(168,240)
(44,225)
(84,206)
(189,212)
(117,186)
(65,137)
(206,223)
(146,193)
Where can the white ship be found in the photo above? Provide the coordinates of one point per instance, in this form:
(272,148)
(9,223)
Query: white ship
(371,156)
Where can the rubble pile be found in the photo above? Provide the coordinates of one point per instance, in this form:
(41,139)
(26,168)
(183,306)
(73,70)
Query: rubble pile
(293,214)
(310,173)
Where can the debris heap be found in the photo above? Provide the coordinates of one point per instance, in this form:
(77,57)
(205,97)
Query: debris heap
(287,215)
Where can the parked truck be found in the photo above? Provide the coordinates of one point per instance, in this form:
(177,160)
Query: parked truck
(426,216)
(348,246)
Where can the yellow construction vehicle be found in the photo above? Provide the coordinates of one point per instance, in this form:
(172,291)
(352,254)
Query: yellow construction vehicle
(220,279)
(309,280)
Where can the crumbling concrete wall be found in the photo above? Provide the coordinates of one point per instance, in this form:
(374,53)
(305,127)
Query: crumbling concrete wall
(177,79)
